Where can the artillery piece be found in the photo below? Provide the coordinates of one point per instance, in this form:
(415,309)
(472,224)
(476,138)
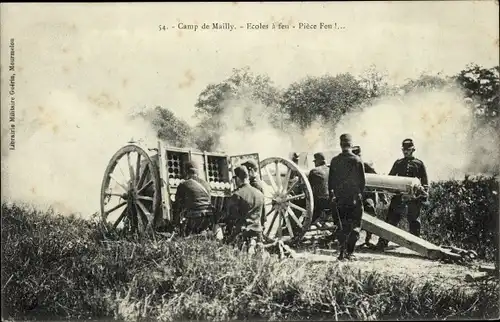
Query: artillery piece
(139,187)
(139,184)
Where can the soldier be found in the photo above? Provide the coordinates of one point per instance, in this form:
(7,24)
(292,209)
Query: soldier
(192,208)
(253,169)
(245,209)
(318,179)
(346,183)
(409,166)
(255,182)
(369,198)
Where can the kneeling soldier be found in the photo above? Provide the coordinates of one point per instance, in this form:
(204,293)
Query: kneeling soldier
(192,208)
(245,208)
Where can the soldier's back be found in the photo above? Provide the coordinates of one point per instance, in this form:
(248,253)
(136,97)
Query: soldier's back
(251,204)
(318,179)
(196,194)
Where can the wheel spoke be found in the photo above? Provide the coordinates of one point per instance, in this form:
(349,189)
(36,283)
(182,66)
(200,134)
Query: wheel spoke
(145,198)
(279,233)
(287,180)
(297,207)
(147,185)
(278,176)
(143,175)
(144,209)
(121,195)
(291,214)
(121,170)
(270,211)
(121,204)
(130,169)
(292,186)
(301,196)
(119,183)
(271,180)
(137,170)
(142,215)
(123,215)
(272,221)
(288,225)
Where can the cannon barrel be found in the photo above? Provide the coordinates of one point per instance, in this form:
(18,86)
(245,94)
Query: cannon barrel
(394,184)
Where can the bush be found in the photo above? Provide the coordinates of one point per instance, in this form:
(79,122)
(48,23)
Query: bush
(66,267)
(464,213)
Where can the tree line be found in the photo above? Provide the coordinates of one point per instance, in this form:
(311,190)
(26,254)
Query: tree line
(325,98)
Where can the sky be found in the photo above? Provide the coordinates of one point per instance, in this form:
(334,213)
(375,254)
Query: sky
(115,52)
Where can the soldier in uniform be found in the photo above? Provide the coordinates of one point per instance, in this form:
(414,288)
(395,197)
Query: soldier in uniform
(346,183)
(318,179)
(253,169)
(369,198)
(192,208)
(245,209)
(255,182)
(409,166)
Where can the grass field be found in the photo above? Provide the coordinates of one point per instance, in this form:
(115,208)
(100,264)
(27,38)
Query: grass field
(59,267)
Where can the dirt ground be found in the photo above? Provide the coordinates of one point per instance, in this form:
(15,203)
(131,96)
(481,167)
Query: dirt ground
(401,262)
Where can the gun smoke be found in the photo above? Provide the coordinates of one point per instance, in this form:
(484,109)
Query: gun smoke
(440,122)
(66,142)
(64,147)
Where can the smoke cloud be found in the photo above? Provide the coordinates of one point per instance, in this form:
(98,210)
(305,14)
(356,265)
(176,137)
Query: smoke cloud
(441,124)
(63,147)
(65,143)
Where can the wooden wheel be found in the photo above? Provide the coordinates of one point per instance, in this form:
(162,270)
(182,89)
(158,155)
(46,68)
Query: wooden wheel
(289,200)
(130,192)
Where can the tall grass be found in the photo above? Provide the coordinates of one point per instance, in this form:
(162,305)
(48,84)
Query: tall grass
(65,267)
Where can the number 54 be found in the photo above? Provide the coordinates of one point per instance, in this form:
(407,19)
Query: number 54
(161,27)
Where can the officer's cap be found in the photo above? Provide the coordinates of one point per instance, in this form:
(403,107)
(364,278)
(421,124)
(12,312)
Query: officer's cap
(319,156)
(250,164)
(241,172)
(407,144)
(346,138)
(356,149)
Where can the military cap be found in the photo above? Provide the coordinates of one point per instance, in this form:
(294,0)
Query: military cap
(190,165)
(250,164)
(356,149)
(241,172)
(408,144)
(319,156)
(346,138)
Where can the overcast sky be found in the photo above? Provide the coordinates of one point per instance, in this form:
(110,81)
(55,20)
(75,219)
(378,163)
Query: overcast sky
(115,52)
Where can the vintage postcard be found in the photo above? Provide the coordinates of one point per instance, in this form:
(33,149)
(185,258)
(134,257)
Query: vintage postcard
(250,160)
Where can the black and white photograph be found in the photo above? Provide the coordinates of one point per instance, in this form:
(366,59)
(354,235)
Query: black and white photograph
(262,161)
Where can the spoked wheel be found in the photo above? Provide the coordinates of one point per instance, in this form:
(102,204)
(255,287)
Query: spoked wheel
(130,192)
(289,200)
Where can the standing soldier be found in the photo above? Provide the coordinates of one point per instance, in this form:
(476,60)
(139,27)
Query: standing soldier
(245,209)
(409,166)
(318,178)
(369,198)
(192,208)
(346,183)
